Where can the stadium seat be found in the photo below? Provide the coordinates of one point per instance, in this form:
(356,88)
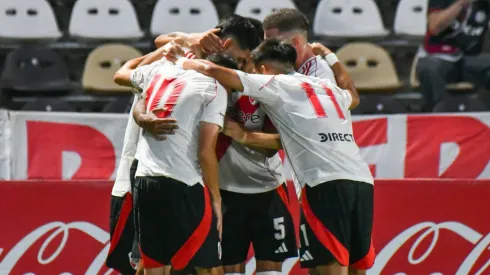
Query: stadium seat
(48,105)
(460,103)
(343,18)
(108,19)
(27,19)
(35,69)
(101,65)
(458,86)
(259,9)
(411,17)
(121,105)
(183,15)
(380,105)
(370,66)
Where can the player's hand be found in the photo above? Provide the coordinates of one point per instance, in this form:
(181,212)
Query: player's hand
(234,130)
(466,2)
(172,51)
(319,49)
(208,42)
(159,128)
(219,216)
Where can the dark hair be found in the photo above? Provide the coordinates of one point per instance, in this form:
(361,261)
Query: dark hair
(241,30)
(274,50)
(223,60)
(258,27)
(286,20)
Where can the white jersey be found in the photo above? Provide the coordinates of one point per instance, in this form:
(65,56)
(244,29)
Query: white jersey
(190,98)
(311,117)
(242,169)
(122,184)
(317,66)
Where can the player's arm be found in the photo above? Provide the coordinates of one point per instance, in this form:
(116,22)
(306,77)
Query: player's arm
(344,81)
(159,128)
(440,15)
(255,85)
(123,75)
(210,125)
(227,77)
(207,41)
(251,138)
(208,136)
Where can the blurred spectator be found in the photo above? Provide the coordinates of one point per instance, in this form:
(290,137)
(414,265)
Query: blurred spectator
(225,8)
(452,51)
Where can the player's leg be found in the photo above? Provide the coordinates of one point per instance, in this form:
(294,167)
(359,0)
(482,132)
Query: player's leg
(122,234)
(135,256)
(325,227)
(236,234)
(155,222)
(362,251)
(201,247)
(273,236)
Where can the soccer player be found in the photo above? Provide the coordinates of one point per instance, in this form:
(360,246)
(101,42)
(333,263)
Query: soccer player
(123,238)
(290,25)
(251,174)
(309,113)
(174,202)
(237,37)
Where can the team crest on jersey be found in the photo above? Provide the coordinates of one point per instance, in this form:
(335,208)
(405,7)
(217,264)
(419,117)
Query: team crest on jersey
(244,110)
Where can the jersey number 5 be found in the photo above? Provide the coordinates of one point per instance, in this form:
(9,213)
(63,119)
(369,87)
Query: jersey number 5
(166,97)
(317,105)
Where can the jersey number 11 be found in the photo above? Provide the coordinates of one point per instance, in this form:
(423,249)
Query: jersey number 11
(317,105)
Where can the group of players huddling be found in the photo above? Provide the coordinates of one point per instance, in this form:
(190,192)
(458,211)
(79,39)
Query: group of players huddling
(200,197)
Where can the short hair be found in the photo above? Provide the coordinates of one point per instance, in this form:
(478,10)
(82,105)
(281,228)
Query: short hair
(223,60)
(241,30)
(286,20)
(258,27)
(274,50)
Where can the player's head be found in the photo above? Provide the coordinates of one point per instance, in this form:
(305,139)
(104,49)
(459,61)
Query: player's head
(258,26)
(274,57)
(289,25)
(239,37)
(223,60)
(260,31)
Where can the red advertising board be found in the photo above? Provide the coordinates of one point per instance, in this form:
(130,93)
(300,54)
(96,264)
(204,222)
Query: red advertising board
(49,145)
(421,227)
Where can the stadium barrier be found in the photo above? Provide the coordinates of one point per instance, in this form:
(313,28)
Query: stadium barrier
(421,227)
(45,145)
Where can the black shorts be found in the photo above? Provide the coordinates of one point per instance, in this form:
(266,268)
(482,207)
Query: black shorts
(176,224)
(336,224)
(261,219)
(123,249)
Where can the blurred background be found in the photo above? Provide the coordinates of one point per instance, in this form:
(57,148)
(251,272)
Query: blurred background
(62,123)
(60,55)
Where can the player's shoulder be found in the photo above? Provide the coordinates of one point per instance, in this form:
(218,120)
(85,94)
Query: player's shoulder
(321,62)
